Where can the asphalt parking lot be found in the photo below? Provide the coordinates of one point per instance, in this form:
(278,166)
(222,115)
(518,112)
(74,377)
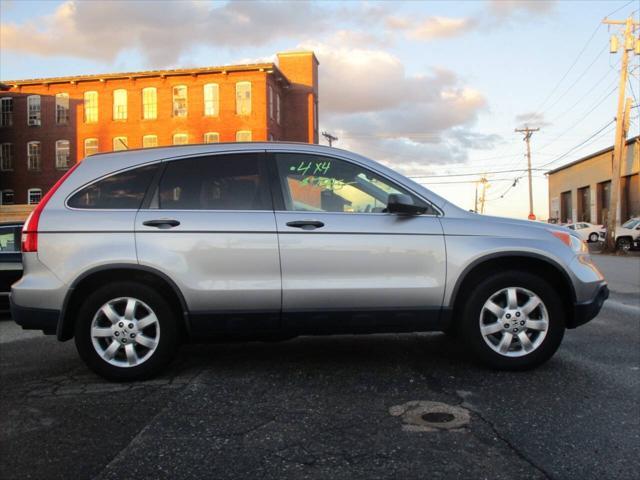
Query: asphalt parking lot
(328,407)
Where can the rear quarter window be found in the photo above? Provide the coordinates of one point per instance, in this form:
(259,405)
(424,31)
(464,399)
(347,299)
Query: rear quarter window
(124,190)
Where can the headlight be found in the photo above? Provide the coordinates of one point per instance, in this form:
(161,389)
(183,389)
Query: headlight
(573,242)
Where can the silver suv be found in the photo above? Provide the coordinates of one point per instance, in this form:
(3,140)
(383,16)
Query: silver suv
(131,252)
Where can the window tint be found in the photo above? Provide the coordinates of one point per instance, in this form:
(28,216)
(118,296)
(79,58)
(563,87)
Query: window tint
(122,190)
(221,182)
(9,239)
(316,183)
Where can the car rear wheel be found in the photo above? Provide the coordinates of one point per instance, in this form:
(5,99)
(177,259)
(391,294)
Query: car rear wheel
(593,237)
(513,321)
(126,331)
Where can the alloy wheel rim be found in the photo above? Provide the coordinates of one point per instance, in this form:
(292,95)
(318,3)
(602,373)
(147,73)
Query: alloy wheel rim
(125,332)
(514,322)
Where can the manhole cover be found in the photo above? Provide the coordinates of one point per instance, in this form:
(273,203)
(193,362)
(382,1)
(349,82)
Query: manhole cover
(424,416)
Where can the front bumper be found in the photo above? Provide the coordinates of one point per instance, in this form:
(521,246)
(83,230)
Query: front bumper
(586,311)
(35,318)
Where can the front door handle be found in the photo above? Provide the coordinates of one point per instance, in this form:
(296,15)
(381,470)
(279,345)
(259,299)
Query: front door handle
(162,223)
(306,224)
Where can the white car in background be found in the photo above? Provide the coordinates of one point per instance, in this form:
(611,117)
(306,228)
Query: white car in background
(588,231)
(628,234)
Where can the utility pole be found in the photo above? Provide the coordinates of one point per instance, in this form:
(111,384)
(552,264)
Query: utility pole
(485,184)
(330,138)
(622,124)
(528,132)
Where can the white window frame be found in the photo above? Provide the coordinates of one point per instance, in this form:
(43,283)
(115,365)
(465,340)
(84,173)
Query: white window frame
(278,108)
(97,147)
(121,141)
(144,137)
(241,133)
(91,109)
(180,135)
(216,134)
(6,114)
(6,161)
(211,96)
(180,112)
(120,104)
(243,105)
(2,194)
(32,191)
(149,103)
(62,108)
(34,111)
(33,161)
(61,162)
(271,100)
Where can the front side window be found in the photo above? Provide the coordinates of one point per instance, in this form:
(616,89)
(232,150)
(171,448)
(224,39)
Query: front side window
(120,143)
(34,195)
(62,154)
(243,136)
(180,139)
(243,98)
(221,182)
(211,137)
(120,104)
(62,108)
(91,107)
(7,197)
(6,112)
(90,146)
(124,190)
(180,101)
(324,184)
(149,141)
(211,100)
(149,103)
(6,156)
(33,155)
(33,110)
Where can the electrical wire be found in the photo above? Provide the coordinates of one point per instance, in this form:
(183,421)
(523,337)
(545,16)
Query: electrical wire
(618,9)
(475,174)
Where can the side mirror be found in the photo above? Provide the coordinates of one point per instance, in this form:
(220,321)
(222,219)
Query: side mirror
(402,204)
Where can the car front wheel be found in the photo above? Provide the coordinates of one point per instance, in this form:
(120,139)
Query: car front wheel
(593,238)
(513,321)
(126,331)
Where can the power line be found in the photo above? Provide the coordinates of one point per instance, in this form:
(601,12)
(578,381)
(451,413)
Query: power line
(475,174)
(618,9)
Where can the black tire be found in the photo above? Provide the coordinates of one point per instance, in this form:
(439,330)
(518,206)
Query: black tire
(168,338)
(624,244)
(593,238)
(469,324)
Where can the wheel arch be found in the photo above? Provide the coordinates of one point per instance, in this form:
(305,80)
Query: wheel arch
(115,272)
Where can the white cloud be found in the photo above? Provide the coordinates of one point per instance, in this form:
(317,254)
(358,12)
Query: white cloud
(506,8)
(532,119)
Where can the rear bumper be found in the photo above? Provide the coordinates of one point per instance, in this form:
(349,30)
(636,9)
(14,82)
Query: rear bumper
(35,318)
(585,311)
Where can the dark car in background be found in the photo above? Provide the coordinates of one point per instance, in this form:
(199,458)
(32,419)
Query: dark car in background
(10,261)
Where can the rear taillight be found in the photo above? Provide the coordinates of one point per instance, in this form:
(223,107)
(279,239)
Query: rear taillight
(30,228)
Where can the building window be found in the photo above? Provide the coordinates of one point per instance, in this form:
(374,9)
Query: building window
(604,199)
(271,139)
(180,139)
(33,110)
(243,136)
(211,137)
(34,195)
(120,143)
(120,104)
(211,100)
(149,141)
(62,154)
(243,98)
(33,156)
(7,197)
(149,103)
(179,101)
(62,108)
(90,146)
(6,156)
(271,109)
(90,107)
(278,108)
(6,112)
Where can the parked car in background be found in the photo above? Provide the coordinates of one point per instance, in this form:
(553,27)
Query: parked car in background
(269,240)
(588,231)
(10,261)
(628,235)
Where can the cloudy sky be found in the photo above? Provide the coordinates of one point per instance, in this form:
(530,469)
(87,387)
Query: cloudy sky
(434,89)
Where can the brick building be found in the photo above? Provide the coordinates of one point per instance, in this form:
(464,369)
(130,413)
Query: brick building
(46,125)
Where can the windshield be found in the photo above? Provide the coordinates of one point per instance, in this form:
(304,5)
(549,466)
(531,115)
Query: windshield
(631,224)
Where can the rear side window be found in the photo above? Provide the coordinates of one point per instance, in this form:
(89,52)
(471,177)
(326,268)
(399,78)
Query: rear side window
(124,190)
(220,182)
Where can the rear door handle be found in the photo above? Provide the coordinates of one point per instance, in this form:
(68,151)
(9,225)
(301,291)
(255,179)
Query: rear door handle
(306,224)
(163,223)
